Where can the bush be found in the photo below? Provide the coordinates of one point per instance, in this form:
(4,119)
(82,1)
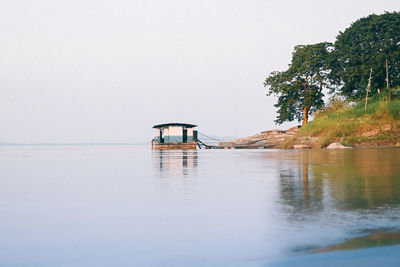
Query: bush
(336,103)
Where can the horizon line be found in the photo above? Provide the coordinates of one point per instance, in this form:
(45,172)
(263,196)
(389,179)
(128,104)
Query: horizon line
(72,144)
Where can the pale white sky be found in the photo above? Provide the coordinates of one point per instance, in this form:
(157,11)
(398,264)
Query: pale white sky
(107,71)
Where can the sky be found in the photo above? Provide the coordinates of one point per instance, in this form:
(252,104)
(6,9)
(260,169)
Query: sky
(107,71)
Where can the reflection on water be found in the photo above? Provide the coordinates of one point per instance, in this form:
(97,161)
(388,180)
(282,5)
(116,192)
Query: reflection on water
(368,241)
(354,192)
(361,179)
(356,188)
(130,206)
(350,192)
(349,179)
(300,191)
(173,163)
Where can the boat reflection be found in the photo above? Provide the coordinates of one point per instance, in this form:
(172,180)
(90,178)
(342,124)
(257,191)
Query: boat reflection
(176,163)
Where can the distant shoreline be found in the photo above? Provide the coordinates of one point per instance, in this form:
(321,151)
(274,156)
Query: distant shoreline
(72,144)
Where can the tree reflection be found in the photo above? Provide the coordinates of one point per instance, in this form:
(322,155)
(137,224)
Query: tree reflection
(299,191)
(362,179)
(344,179)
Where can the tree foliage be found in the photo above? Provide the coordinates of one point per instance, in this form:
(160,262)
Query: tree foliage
(299,88)
(366,44)
(343,68)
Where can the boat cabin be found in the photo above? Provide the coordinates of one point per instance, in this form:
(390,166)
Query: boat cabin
(175,136)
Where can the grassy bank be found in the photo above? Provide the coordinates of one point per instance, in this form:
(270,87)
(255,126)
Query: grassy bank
(353,125)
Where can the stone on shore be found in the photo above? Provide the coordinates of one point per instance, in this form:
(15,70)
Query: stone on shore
(371,133)
(337,145)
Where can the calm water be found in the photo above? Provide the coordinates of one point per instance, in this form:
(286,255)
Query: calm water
(130,206)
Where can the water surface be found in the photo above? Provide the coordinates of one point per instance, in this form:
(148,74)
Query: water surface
(130,206)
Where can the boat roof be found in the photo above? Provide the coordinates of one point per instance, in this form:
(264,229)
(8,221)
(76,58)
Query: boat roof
(186,125)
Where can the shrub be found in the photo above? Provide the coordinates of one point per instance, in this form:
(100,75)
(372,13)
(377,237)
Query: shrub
(336,103)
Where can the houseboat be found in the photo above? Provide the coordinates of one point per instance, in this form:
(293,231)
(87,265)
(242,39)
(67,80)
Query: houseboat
(174,136)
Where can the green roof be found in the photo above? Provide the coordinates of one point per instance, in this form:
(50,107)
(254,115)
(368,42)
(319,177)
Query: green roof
(186,125)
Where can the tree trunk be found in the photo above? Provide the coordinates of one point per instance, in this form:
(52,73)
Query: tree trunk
(305,109)
(305,116)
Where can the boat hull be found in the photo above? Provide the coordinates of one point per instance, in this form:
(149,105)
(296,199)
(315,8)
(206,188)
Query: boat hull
(175,145)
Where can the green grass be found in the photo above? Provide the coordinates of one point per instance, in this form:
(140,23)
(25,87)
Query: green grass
(394,109)
(340,122)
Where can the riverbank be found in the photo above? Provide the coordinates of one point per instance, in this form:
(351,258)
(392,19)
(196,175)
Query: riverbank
(380,248)
(341,124)
(380,256)
(270,139)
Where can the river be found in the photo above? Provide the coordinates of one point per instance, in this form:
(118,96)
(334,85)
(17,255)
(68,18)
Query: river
(130,206)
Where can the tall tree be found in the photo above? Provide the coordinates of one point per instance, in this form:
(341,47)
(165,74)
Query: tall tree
(299,88)
(365,45)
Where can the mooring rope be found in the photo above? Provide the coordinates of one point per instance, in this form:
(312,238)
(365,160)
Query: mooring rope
(209,137)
